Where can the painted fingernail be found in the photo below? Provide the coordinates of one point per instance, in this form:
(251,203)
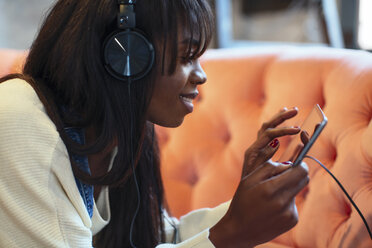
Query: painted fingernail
(274,143)
(287,162)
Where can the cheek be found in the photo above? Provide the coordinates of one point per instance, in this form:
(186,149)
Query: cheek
(165,111)
(164,92)
(165,107)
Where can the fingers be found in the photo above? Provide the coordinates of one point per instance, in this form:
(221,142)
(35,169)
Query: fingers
(292,181)
(304,137)
(268,131)
(280,117)
(267,143)
(270,134)
(264,148)
(268,152)
(316,127)
(254,158)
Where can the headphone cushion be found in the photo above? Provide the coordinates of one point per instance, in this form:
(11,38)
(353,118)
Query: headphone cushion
(128,54)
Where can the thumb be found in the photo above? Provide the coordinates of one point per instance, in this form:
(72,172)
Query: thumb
(264,172)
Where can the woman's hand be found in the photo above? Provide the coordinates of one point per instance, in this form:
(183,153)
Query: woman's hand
(263,206)
(267,143)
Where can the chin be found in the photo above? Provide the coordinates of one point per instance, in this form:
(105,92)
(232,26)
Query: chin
(168,123)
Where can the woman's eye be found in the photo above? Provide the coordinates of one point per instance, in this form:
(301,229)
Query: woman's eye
(187,60)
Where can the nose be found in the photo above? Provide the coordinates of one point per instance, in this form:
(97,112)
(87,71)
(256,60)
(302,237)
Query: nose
(198,75)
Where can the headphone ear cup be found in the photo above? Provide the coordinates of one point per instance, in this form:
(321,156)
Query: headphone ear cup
(128,55)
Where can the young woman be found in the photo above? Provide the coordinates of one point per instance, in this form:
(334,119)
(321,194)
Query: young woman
(78,154)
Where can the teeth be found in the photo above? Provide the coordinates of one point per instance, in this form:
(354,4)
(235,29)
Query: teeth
(186,99)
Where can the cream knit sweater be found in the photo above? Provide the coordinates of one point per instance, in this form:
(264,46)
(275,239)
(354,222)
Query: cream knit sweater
(40,205)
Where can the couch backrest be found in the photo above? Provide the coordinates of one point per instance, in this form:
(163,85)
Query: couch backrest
(202,159)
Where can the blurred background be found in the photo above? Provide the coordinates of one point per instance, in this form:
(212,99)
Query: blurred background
(336,23)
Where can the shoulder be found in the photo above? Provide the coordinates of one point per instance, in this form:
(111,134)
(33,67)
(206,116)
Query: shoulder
(24,122)
(19,101)
(18,95)
(36,169)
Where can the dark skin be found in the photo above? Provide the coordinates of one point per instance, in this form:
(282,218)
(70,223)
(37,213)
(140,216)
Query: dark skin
(263,206)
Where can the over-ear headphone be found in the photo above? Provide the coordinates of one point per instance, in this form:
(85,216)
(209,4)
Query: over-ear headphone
(128,55)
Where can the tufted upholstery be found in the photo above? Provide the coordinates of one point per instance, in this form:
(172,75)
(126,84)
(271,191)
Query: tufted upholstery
(201,160)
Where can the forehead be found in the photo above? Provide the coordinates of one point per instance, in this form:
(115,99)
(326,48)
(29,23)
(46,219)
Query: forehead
(188,39)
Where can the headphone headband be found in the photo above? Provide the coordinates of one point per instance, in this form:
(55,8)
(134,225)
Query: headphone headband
(126,1)
(126,16)
(127,53)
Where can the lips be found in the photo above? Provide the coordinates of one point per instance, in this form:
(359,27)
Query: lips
(187,99)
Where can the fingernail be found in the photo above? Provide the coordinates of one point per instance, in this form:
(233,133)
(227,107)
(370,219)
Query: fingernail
(287,162)
(274,143)
(296,127)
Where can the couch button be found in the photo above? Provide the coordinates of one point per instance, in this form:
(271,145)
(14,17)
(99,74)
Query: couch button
(226,137)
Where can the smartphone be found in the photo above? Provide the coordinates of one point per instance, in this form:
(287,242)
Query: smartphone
(311,128)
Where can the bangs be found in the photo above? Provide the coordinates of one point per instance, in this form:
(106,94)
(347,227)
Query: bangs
(164,20)
(195,22)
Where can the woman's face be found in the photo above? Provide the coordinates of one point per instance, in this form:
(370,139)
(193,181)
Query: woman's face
(173,94)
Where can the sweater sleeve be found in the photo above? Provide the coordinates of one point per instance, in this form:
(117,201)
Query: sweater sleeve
(35,204)
(193,228)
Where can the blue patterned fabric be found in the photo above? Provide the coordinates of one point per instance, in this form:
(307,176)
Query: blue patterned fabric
(86,190)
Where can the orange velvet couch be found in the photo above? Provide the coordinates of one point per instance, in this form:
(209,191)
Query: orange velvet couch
(202,159)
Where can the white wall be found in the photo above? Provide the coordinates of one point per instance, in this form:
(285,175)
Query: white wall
(296,24)
(20,21)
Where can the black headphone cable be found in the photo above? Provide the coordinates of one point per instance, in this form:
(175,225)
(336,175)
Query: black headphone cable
(133,169)
(345,192)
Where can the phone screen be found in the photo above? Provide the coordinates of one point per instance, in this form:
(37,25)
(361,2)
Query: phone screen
(312,127)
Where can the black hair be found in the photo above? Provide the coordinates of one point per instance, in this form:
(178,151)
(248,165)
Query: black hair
(65,67)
